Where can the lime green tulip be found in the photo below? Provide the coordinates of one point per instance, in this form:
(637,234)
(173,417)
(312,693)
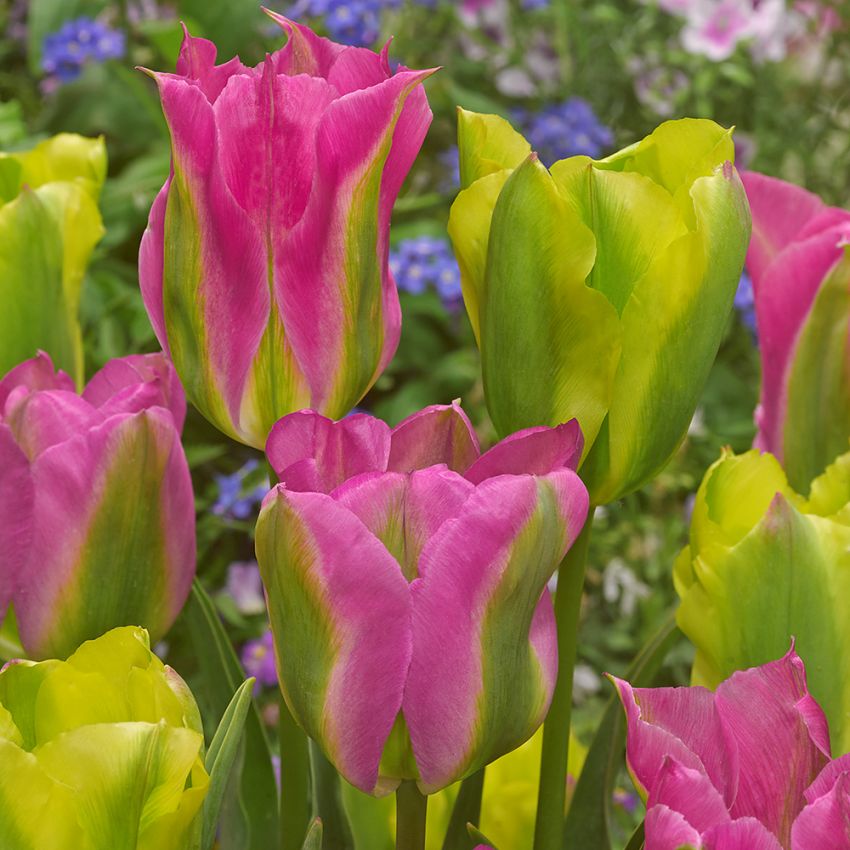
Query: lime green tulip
(49,224)
(764,566)
(103,751)
(600,289)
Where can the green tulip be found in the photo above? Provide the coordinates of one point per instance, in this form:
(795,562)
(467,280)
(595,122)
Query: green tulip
(103,751)
(600,290)
(764,566)
(49,224)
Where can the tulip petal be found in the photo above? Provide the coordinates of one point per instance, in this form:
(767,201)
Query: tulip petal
(780,212)
(825,823)
(438,434)
(340,614)
(740,834)
(690,793)
(308,451)
(487,144)
(547,369)
(151,264)
(827,778)
(196,62)
(781,749)
(119,379)
(682,724)
(676,320)
(405,511)
(16,506)
(128,553)
(534,451)
(477,687)
(37,373)
(668,830)
(340,305)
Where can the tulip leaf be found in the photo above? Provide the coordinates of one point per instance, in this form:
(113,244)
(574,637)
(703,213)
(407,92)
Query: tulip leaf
(477,836)
(313,839)
(221,757)
(327,803)
(637,839)
(589,819)
(467,809)
(249,808)
(817,419)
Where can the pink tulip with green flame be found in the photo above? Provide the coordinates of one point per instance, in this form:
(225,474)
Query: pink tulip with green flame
(747,767)
(406,579)
(97,519)
(264,267)
(800,268)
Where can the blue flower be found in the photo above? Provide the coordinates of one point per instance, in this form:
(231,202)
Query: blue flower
(425,262)
(745,304)
(78,42)
(565,129)
(234,499)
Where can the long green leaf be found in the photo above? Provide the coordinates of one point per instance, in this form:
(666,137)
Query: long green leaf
(479,837)
(636,841)
(588,823)
(221,757)
(327,802)
(313,839)
(467,809)
(249,816)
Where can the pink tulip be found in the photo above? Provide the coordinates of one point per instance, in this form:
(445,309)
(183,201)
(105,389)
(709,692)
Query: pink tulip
(406,577)
(264,267)
(801,284)
(745,768)
(96,506)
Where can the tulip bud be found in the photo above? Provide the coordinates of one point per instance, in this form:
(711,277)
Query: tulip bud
(413,628)
(103,751)
(745,768)
(49,224)
(97,520)
(766,565)
(267,277)
(600,290)
(800,269)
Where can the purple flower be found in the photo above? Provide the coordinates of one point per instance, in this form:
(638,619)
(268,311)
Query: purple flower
(745,303)
(565,129)
(235,499)
(258,661)
(245,587)
(78,42)
(425,262)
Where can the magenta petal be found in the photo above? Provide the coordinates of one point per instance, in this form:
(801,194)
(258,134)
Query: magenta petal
(16,506)
(405,511)
(780,211)
(37,373)
(741,834)
(668,830)
(151,260)
(308,451)
(197,63)
(304,52)
(438,434)
(681,723)
(42,419)
(690,793)
(115,388)
(534,450)
(827,778)
(825,823)
(329,578)
(781,749)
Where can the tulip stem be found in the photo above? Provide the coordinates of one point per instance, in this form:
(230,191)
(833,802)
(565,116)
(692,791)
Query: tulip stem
(551,803)
(411,809)
(295,812)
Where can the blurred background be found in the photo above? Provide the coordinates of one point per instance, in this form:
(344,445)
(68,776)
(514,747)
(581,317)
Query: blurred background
(575,78)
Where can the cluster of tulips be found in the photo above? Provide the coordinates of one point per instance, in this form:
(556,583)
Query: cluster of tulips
(407,571)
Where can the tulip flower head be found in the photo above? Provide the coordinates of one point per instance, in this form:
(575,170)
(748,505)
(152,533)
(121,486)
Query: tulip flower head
(799,263)
(406,578)
(103,751)
(97,518)
(49,224)
(747,767)
(264,267)
(765,564)
(600,289)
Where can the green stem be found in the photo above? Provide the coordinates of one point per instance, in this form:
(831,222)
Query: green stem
(549,828)
(411,809)
(295,809)
(467,809)
(327,802)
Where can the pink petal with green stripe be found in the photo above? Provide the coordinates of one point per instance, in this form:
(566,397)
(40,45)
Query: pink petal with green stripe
(438,434)
(16,504)
(113,539)
(308,451)
(340,612)
(477,687)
